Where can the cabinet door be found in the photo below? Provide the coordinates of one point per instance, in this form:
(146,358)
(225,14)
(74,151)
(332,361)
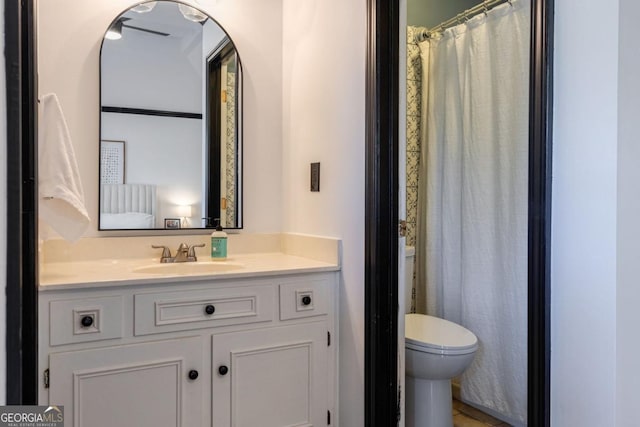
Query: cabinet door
(276,377)
(141,385)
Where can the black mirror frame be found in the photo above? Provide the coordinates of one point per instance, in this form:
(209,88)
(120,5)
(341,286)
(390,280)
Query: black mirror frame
(381,230)
(239,137)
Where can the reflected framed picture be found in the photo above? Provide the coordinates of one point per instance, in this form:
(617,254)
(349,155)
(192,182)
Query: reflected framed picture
(172,223)
(111,162)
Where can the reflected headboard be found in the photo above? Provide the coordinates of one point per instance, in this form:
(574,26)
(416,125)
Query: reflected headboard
(127,206)
(125,198)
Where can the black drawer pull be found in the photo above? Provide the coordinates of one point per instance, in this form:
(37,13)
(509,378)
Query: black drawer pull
(306,300)
(86,321)
(209,309)
(223,370)
(193,374)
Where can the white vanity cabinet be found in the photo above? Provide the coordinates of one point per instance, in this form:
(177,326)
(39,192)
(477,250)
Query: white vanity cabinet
(150,384)
(220,353)
(271,378)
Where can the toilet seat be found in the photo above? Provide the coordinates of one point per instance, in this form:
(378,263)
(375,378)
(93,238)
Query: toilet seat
(438,336)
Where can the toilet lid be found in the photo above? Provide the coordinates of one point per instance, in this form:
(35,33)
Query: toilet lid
(434,333)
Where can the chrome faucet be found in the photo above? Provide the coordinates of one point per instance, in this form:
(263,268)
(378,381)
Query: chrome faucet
(183,254)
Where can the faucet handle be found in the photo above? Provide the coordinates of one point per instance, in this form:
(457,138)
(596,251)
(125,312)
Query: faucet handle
(166,252)
(192,250)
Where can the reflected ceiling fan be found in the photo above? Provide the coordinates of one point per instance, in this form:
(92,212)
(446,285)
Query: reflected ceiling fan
(146,30)
(115,32)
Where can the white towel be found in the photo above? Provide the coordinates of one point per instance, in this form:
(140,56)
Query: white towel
(61,203)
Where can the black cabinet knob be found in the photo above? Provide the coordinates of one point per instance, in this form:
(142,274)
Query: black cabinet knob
(223,370)
(306,300)
(86,321)
(210,309)
(193,374)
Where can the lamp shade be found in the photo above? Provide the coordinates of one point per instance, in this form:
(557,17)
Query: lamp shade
(184,211)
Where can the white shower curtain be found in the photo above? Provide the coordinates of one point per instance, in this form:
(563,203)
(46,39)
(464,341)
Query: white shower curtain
(472,254)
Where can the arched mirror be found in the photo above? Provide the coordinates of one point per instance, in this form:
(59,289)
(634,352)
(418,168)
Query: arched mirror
(170,121)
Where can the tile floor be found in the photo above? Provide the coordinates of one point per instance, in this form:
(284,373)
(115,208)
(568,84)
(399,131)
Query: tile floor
(467,416)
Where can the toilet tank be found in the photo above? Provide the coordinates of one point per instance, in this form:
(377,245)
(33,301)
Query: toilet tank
(410,254)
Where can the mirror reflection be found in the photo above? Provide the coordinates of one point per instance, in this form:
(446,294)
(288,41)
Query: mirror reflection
(170,138)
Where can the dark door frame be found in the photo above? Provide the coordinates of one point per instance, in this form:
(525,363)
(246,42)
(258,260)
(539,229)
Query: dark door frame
(22,233)
(213,122)
(381,221)
(381,262)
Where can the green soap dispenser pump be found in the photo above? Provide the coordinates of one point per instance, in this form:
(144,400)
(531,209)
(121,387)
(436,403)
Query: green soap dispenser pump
(218,243)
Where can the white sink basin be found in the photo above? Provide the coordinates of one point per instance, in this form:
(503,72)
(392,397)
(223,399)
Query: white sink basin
(188,268)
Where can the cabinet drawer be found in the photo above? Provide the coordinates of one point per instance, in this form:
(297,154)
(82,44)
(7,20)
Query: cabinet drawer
(84,320)
(304,299)
(177,311)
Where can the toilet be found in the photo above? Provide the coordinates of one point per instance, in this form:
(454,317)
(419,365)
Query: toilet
(436,351)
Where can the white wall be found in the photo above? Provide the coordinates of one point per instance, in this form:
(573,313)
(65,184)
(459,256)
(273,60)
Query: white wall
(583,273)
(3,214)
(596,232)
(324,46)
(69,65)
(149,71)
(628,247)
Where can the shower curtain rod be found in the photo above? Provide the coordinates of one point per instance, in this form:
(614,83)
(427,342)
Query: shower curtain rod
(460,18)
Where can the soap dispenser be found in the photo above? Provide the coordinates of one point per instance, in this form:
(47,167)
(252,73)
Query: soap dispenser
(218,243)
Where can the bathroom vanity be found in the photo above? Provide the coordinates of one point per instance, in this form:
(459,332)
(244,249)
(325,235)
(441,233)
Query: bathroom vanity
(125,340)
(251,342)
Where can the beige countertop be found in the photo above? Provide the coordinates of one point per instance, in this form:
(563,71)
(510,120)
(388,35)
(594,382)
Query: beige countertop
(127,272)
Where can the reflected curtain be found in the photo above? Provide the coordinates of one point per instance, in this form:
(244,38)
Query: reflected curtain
(473,192)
